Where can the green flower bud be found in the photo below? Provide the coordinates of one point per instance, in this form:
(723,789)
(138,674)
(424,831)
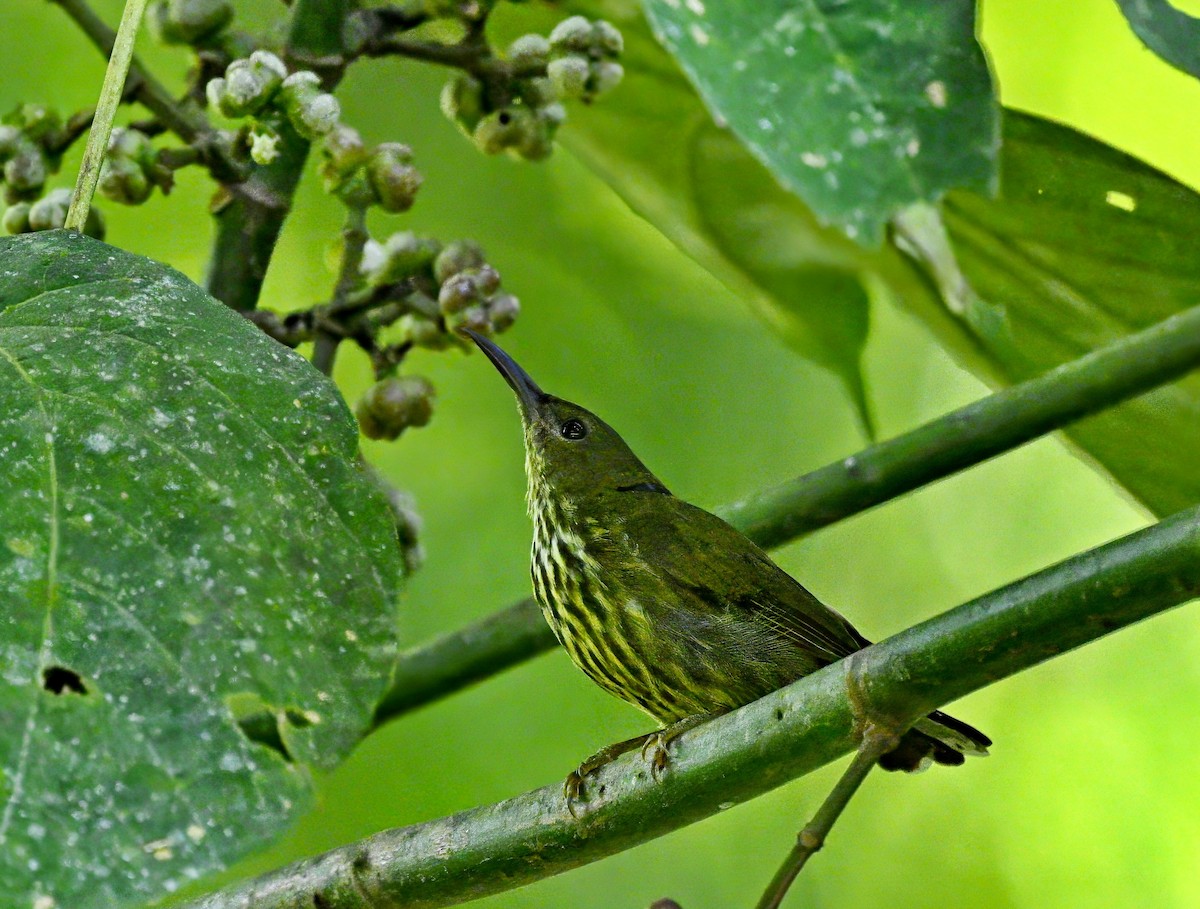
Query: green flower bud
(393,177)
(404,255)
(606,75)
(393,405)
(36,121)
(248,86)
(487,279)
(25,172)
(10,141)
(537,141)
(457,257)
(537,92)
(475,318)
(459,292)
(424,332)
(188,21)
(530,51)
(313,113)
(462,101)
(569,76)
(130,144)
(552,115)
(607,39)
(16,218)
(344,151)
(502,310)
(573,35)
(503,129)
(124,180)
(50,211)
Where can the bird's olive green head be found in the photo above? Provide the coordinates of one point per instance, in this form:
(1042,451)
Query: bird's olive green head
(570,452)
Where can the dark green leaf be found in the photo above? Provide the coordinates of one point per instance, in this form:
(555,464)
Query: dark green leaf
(1084,245)
(1170,33)
(186,539)
(860,108)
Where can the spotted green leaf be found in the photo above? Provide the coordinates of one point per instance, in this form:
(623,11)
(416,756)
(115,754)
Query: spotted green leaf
(861,108)
(185,538)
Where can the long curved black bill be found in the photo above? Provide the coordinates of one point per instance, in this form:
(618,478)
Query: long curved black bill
(528,393)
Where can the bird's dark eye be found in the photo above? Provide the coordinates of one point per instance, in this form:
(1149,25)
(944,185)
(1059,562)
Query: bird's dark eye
(573,430)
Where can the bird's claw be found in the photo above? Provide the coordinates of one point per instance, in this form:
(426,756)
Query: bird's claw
(659,757)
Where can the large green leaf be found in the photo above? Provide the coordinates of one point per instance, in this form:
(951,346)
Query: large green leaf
(860,108)
(655,143)
(1083,245)
(185,537)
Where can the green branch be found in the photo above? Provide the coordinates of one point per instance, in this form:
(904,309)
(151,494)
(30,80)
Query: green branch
(753,750)
(960,439)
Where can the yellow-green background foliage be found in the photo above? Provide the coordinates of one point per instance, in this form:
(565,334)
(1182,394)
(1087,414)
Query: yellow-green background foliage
(1090,799)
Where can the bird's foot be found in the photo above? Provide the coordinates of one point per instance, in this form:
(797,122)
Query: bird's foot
(574,783)
(655,748)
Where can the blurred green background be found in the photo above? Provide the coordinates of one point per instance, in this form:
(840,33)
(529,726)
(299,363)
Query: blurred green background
(1090,798)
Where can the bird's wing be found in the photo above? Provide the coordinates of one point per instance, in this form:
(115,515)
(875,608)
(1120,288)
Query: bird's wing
(699,551)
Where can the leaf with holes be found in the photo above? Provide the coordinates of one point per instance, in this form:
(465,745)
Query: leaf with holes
(1083,246)
(185,538)
(860,108)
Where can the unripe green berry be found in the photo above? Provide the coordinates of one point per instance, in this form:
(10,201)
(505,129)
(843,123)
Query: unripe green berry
(457,257)
(393,405)
(606,75)
(569,75)
(573,35)
(16,218)
(393,177)
(530,51)
(502,310)
(486,278)
(50,211)
(312,112)
(187,21)
(503,129)
(462,101)
(124,180)
(537,92)
(25,172)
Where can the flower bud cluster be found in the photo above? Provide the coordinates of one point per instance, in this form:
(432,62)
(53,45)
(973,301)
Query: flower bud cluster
(577,62)
(260,86)
(451,287)
(360,176)
(583,58)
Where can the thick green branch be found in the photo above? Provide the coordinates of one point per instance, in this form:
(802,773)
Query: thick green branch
(962,438)
(744,754)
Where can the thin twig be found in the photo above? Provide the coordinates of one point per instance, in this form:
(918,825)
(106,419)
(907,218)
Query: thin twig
(111,91)
(752,750)
(874,745)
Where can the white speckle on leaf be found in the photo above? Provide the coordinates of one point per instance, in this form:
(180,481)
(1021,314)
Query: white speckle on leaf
(935,91)
(699,35)
(99,443)
(696,6)
(812,159)
(1120,200)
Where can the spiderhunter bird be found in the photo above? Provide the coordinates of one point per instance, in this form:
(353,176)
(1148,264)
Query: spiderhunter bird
(664,604)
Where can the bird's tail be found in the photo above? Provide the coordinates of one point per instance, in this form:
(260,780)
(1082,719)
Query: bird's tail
(938,738)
